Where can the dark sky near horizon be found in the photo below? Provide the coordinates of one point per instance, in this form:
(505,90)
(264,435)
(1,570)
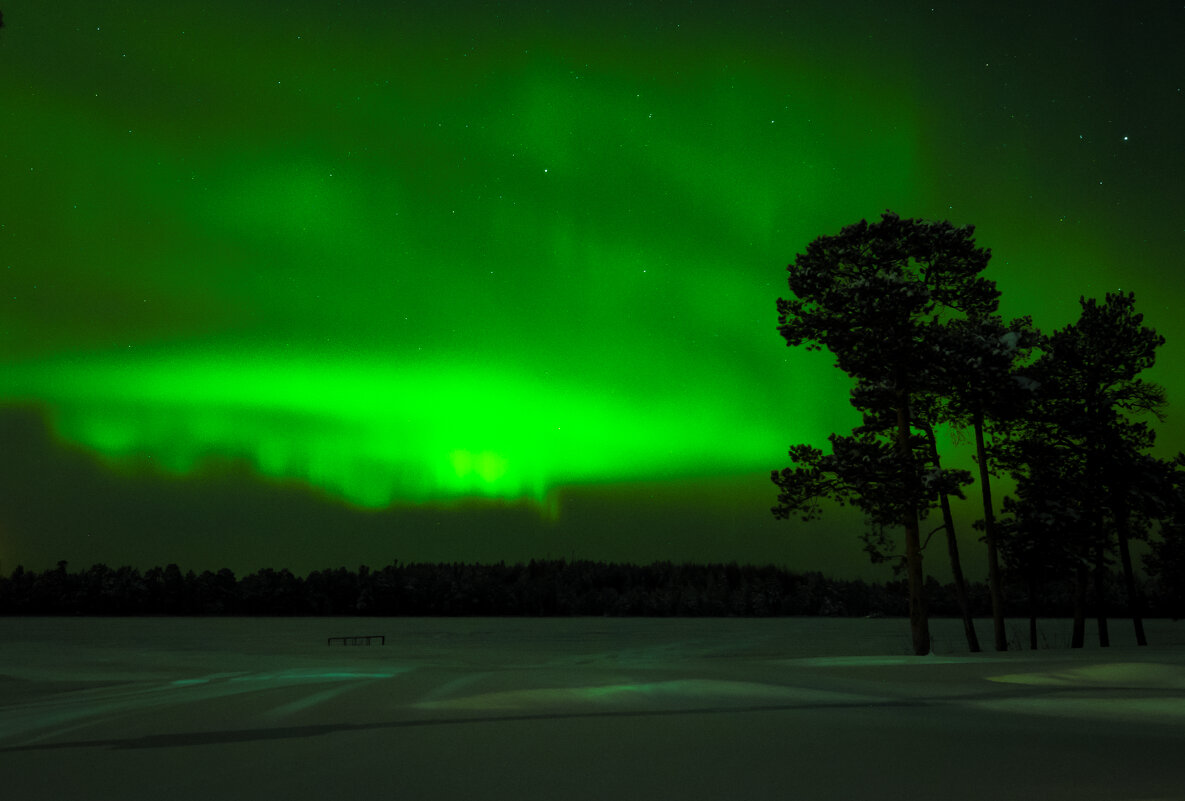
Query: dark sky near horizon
(312,284)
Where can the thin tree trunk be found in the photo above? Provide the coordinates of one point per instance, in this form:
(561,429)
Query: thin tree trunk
(1135,598)
(1032,611)
(956,569)
(1100,600)
(918,623)
(1078,634)
(989,530)
(952,549)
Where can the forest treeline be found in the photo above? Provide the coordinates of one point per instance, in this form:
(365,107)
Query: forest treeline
(536,588)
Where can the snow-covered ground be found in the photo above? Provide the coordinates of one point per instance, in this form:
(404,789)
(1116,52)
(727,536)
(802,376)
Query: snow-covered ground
(587,708)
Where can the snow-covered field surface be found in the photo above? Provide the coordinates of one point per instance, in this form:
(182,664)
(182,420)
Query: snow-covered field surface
(585,708)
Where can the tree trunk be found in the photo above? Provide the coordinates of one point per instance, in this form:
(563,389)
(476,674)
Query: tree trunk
(1100,599)
(1095,542)
(1032,611)
(989,531)
(918,623)
(952,548)
(1078,634)
(1134,597)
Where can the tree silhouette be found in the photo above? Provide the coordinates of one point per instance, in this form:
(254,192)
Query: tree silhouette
(981,384)
(1142,489)
(1040,522)
(1165,561)
(940,484)
(1084,426)
(539,588)
(874,296)
(923,420)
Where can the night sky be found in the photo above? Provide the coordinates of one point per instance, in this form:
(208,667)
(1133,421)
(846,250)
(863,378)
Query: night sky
(304,284)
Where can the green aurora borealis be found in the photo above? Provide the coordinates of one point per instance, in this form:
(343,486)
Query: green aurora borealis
(297,284)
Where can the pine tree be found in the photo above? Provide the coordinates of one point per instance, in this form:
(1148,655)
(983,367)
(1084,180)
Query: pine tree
(1088,397)
(874,295)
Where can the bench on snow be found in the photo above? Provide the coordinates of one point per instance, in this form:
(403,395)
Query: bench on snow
(360,639)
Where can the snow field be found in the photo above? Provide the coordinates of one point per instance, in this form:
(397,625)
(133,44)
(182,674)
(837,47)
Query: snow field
(578,708)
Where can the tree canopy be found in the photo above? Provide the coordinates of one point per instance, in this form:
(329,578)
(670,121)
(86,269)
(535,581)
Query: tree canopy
(904,308)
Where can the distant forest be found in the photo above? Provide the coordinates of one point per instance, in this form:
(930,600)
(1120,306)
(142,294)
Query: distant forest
(537,588)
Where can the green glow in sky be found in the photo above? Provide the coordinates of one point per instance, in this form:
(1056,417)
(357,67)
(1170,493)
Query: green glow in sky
(374,434)
(418,253)
(530,272)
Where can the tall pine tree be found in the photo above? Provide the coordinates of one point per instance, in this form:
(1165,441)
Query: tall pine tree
(875,295)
